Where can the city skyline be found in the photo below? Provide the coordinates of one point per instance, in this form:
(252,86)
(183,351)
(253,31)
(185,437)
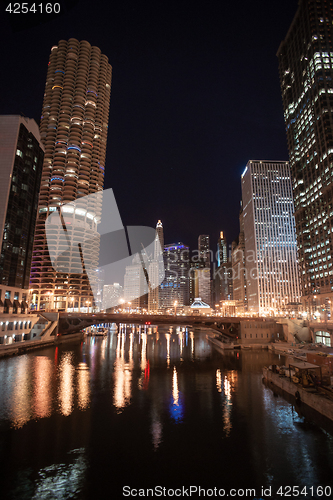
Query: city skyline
(181,110)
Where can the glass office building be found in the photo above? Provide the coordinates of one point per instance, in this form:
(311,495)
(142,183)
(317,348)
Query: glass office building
(306,75)
(272,273)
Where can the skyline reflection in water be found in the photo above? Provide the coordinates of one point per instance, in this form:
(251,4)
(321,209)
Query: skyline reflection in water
(149,401)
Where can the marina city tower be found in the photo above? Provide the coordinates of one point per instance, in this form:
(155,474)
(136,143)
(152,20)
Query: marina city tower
(73,129)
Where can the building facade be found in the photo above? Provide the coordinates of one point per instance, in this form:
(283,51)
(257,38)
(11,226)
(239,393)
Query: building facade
(222,250)
(155,270)
(73,129)
(204,250)
(136,284)
(175,286)
(239,270)
(306,76)
(21,160)
(112,294)
(272,272)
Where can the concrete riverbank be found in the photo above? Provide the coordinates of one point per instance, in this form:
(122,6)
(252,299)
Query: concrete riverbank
(310,397)
(29,345)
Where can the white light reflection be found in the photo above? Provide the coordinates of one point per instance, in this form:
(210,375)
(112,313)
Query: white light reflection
(156,429)
(122,376)
(83,386)
(62,481)
(66,374)
(227,406)
(219,380)
(192,344)
(42,372)
(21,394)
(167,335)
(181,343)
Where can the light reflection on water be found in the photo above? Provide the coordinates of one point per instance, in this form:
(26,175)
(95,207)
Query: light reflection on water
(61,481)
(166,393)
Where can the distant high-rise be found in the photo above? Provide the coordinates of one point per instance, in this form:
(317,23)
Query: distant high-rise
(135,284)
(175,286)
(21,160)
(306,76)
(222,251)
(73,129)
(272,274)
(239,270)
(204,250)
(111,295)
(202,276)
(155,269)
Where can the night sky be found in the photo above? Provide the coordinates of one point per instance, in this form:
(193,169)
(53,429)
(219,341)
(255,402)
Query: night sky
(195,95)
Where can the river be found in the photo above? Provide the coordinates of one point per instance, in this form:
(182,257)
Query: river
(110,417)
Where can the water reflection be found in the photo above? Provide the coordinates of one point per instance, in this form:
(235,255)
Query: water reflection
(21,394)
(62,481)
(176,406)
(226,386)
(156,430)
(42,393)
(122,373)
(83,386)
(165,393)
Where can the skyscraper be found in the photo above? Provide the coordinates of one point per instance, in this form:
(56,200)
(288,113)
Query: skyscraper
(222,251)
(135,284)
(202,276)
(238,269)
(272,274)
(204,250)
(175,286)
(73,129)
(155,269)
(111,295)
(21,159)
(306,76)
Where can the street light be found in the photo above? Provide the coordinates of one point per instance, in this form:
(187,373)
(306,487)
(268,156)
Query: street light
(175,304)
(72,301)
(49,301)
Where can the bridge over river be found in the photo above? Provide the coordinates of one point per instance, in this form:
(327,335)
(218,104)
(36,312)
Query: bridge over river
(74,322)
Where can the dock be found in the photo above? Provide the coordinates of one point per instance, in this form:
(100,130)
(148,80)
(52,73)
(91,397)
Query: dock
(310,397)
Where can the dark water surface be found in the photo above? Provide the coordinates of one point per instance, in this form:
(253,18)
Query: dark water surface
(145,409)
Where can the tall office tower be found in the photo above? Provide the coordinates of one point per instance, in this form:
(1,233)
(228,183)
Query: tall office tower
(159,231)
(202,276)
(73,129)
(272,273)
(203,247)
(135,284)
(222,250)
(306,75)
(112,295)
(223,282)
(239,270)
(195,265)
(223,273)
(155,269)
(202,285)
(175,286)
(21,160)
